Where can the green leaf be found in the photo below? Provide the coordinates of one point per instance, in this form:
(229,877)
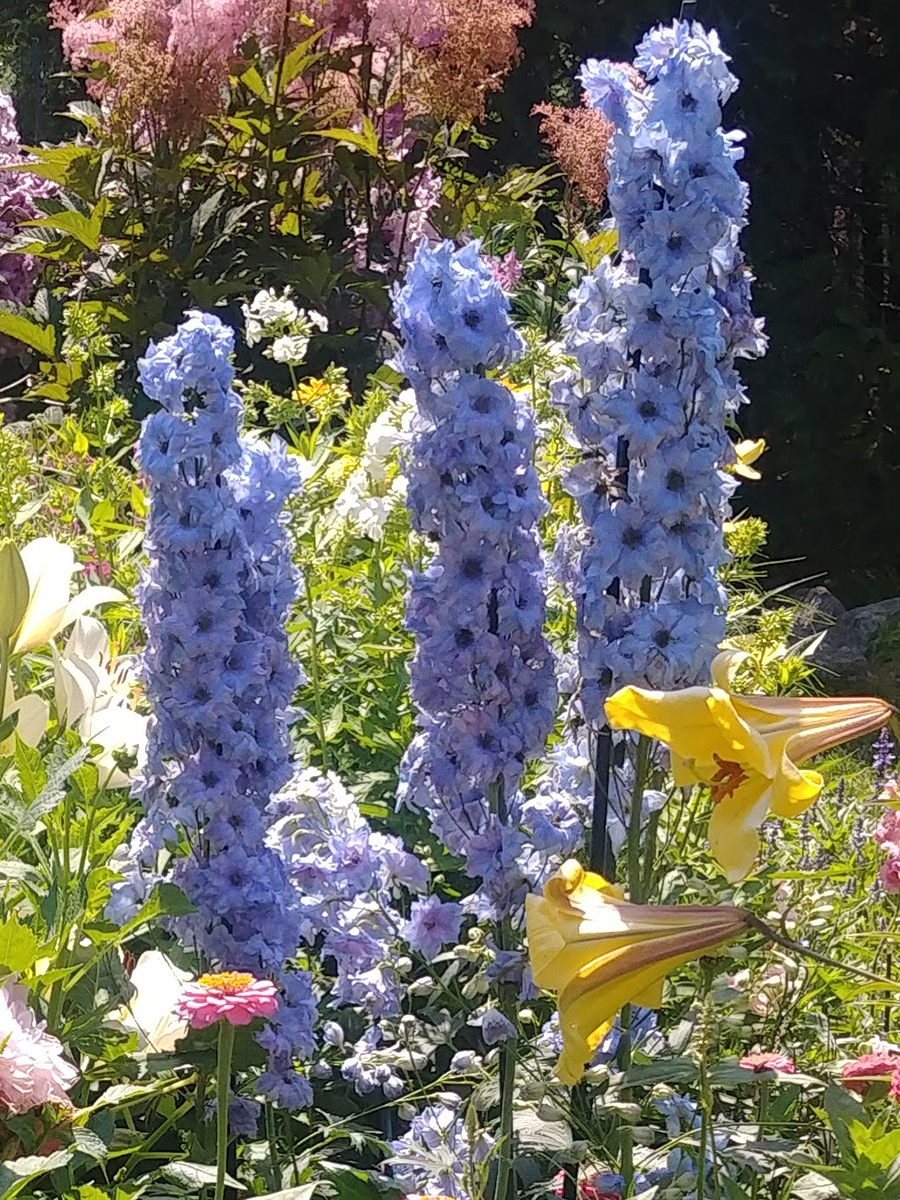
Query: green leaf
(304,1192)
(89,1143)
(86,230)
(30,766)
(166,900)
(672,1070)
(197,1175)
(367,141)
(41,338)
(15,1174)
(18,946)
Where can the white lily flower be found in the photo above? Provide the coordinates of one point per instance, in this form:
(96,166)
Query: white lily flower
(49,566)
(150,1013)
(94,701)
(33,713)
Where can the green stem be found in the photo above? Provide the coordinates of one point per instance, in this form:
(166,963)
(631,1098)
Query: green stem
(4,673)
(497,802)
(314,672)
(223,1085)
(635,874)
(626,1140)
(507,1086)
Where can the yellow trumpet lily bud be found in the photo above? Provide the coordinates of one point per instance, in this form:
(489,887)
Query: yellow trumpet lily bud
(746,749)
(601,952)
(14,591)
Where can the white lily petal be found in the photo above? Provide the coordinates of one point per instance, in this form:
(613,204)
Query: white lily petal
(49,566)
(76,686)
(89,598)
(149,1014)
(33,712)
(113,726)
(88,640)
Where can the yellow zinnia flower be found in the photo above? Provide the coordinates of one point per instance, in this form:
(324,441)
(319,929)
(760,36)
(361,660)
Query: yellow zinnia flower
(600,952)
(746,749)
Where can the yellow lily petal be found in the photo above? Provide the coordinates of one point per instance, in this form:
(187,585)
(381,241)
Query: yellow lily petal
(747,749)
(697,723)
(601,952)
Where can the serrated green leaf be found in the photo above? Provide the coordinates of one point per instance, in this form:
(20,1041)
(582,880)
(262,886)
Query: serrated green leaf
(18,945)
(41,338)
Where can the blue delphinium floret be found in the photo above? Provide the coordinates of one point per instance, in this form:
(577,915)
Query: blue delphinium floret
(482,678)
(656,332)
(219,679)
(450,1156)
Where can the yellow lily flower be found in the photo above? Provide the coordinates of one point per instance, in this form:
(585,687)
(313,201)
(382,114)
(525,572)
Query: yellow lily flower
(600,952)
(747,451)
(746,749)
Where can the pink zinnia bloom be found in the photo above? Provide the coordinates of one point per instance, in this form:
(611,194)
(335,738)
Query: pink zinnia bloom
(32,1069)
(894,1093)
(233,995)
(868,1068)
(768,1061)
(890,874)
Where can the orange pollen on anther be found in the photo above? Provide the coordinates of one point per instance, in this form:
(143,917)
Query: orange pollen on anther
(727,779)
(227,981)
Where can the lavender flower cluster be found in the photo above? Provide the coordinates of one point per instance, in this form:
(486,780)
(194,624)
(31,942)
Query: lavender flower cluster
(482,678)
(218,676)
(439,1153)
(351,883)
(656,332)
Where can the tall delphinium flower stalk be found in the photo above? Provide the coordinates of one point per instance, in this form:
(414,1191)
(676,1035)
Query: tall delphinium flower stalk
(214,597)
(482,677)
(656,331)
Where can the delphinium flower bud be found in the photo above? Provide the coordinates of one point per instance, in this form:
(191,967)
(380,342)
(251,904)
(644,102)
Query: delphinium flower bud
(482,677)
(656,333)
(214,597)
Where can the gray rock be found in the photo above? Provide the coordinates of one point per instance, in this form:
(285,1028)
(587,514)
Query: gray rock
(858,653)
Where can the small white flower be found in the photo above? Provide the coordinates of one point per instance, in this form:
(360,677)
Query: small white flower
(317,320)
(290,349)
(268,314)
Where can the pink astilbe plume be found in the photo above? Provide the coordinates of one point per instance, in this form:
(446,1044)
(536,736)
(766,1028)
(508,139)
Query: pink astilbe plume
(477,50)
(578,139)
(33,1071)
(168,61)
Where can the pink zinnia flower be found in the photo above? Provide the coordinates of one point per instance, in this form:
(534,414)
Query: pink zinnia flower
(768,1061)
(233,995)
(890,874)
(32,1069)
(868,1068)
